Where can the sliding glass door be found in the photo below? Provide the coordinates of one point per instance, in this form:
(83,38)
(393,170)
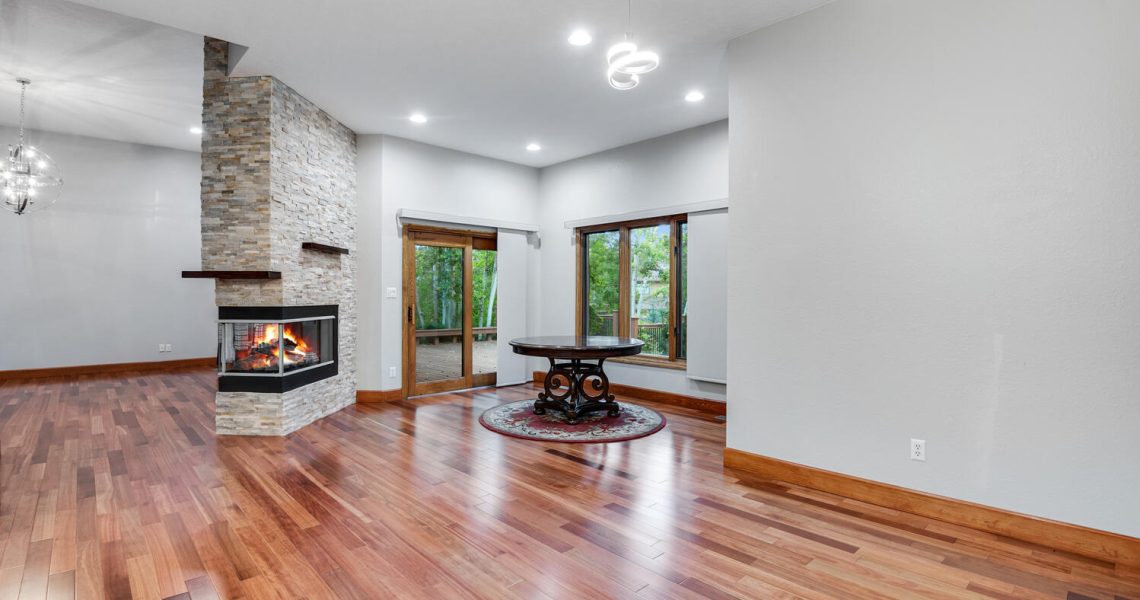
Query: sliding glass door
(450,287)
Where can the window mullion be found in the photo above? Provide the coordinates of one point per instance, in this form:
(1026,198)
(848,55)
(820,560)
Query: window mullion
(582,284)
(674,288)
(624,286)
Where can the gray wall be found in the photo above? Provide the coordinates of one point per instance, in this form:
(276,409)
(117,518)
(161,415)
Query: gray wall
(95,279)
(395,173)
(684,167)
(934,235)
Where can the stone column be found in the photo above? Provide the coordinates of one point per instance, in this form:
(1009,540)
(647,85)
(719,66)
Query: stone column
(278,171)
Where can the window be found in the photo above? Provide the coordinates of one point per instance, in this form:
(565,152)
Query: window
(484,311)
(632,283)
(649,289)
(601,283)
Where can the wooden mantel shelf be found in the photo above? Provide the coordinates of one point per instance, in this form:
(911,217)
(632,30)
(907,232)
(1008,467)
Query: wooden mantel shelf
(231,274)
(323,248)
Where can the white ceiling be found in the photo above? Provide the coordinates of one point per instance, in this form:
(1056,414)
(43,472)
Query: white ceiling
(491,75)
(99,74)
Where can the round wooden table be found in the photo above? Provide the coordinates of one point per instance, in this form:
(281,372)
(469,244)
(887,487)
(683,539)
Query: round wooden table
(572,385)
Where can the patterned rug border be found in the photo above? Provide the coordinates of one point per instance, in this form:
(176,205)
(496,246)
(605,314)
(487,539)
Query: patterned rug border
(517,436)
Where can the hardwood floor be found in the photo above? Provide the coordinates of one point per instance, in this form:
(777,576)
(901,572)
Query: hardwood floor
(117,488)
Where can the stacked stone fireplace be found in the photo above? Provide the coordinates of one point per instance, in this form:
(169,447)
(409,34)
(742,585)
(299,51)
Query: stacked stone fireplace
(277,172)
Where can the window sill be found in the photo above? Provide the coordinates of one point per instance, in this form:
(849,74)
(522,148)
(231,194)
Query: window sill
(651,361)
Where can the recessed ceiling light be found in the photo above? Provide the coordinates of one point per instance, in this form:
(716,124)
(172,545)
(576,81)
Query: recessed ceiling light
(196,130)
(533,147)
(418,118)
(694,96)
(580,37)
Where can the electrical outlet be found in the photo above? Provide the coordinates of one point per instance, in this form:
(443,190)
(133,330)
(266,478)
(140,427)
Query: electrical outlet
(917,449)
(160,346)
(391,371)
(170,347)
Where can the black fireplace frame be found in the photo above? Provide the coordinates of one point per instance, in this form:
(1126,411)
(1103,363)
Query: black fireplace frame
(273,383)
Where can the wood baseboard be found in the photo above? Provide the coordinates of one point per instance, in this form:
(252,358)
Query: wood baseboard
(376,396)
(715,407)
(1093,543)
(107,369)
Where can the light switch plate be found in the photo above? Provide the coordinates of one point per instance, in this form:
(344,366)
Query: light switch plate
(390,292)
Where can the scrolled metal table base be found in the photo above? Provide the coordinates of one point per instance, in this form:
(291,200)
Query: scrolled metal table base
(576,388)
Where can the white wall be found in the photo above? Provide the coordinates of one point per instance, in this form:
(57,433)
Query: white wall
(422,177)
(935,234)
(96,278)
(684,167)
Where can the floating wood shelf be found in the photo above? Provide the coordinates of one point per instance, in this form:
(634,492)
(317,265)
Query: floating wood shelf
(231,274)
(323,248)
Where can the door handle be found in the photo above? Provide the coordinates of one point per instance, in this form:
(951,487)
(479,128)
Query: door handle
(409,313)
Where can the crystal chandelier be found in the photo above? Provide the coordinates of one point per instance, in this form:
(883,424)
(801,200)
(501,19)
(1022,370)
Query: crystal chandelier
(627,64)
(29,179)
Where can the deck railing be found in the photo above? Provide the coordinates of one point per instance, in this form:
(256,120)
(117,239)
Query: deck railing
(655,336)
(455,335)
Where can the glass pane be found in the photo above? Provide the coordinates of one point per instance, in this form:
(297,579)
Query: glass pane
(485,311)
(257,347)
(253,349)
(649,288)
(683,291)
(602,283)
(439,313)
(303,343)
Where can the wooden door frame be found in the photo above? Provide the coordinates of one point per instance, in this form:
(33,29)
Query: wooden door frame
(453,238)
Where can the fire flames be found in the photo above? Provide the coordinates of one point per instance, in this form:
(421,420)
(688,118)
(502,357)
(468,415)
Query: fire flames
(264,351)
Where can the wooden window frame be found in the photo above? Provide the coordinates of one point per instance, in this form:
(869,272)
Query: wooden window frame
(672,361)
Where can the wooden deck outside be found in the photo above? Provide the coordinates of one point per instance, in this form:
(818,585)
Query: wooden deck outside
(444,360)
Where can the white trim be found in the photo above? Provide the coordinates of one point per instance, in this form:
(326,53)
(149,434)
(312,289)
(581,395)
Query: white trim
(676,209)
(406,214)
(708,379)
(275,321)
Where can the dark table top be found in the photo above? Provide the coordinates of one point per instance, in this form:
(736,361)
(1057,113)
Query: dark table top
(577,346)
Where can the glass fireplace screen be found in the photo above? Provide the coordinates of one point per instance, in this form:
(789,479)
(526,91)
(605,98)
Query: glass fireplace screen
(275,348)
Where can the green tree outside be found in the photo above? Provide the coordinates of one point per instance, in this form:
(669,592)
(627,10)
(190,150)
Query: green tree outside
(649,287)
(439,288)
(602,282)
(484,290)
(649,301)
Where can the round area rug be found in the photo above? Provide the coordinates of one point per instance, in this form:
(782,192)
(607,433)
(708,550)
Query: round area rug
(517,419)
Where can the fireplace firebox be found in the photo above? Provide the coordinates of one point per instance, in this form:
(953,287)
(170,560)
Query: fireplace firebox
(274,349)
